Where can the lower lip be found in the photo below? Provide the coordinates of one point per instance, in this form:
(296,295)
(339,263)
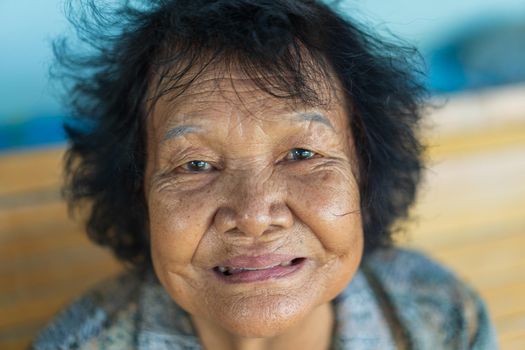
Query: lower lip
(261,275)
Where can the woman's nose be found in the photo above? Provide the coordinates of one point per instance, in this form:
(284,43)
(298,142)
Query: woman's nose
(252,209)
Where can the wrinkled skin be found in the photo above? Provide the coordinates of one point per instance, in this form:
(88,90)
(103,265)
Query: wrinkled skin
(250,195)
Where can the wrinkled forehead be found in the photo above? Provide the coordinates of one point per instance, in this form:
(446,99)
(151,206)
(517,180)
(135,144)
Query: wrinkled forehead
(256,93)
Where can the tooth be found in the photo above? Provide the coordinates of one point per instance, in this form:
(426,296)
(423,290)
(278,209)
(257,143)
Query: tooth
(223,269)
(257,268)
(288,263)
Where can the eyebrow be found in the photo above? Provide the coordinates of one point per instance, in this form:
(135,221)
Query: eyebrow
(314,117)
(181,131)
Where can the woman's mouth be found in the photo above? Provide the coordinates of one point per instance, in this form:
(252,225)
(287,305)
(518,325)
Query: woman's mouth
(246,272)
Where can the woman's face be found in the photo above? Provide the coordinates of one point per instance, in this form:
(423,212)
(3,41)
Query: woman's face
(253,204)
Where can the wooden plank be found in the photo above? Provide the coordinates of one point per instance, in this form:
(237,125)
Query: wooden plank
(50,270)
(512,332)
(18,338)
(22,172)
(478,141)
(31,217)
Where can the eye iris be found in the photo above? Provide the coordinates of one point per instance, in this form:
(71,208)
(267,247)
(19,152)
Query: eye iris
(197,165)
(302,154)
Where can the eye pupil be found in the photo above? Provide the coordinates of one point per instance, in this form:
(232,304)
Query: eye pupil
(197,165)
(300,153)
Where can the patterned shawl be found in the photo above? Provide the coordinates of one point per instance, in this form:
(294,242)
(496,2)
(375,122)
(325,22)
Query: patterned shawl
(398,299)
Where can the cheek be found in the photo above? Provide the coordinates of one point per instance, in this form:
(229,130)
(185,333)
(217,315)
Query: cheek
(177,224)
(328,203)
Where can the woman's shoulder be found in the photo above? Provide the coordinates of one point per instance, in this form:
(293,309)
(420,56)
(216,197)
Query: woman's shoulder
(108,310)
(406,268)
(432,304)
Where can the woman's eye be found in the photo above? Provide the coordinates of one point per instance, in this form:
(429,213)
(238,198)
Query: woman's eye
(300,154)
(197,166)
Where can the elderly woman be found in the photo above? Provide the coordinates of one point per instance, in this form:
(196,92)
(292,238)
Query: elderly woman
(248,160)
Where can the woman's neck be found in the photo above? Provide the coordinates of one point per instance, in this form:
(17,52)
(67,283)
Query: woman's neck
(312,333)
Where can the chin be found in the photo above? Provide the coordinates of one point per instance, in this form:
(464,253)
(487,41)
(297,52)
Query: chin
(263,318)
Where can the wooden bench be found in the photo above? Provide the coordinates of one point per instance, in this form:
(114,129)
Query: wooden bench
(45,259)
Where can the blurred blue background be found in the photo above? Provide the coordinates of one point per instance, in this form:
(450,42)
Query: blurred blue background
(468,44)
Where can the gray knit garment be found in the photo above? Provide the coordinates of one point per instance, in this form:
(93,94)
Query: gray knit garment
(398,299)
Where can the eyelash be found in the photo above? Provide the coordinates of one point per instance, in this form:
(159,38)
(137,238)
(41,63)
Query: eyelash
(203,166)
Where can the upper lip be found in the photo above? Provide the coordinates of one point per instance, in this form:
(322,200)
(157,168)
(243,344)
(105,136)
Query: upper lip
(257,261)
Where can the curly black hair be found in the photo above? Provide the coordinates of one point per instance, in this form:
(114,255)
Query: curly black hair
(280,44)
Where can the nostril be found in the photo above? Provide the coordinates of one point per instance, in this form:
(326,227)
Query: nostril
(224,220)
